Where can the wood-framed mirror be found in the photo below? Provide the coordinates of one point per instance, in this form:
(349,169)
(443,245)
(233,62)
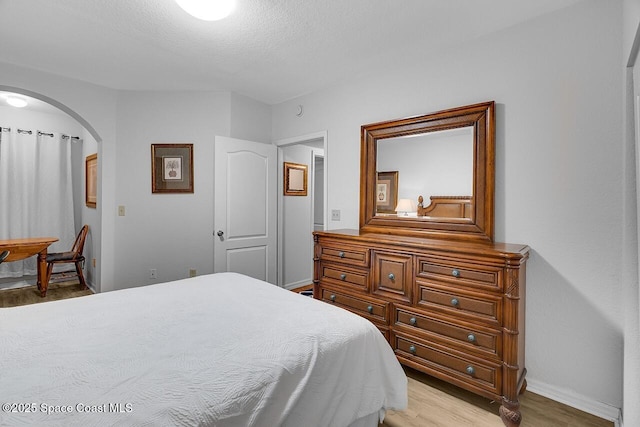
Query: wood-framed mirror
(445,159)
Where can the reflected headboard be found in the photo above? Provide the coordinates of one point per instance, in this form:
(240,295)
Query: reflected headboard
(446,207)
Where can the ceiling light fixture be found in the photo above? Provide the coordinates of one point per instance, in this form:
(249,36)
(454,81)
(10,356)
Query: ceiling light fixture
(208,10)
(16,101)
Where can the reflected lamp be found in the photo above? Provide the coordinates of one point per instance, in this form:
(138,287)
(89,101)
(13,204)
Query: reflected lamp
(405,206)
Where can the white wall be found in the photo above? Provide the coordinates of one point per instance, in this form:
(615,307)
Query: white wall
(631,294)
(90,216)
(250,119)
(167,232)
(558,88)
(172,233)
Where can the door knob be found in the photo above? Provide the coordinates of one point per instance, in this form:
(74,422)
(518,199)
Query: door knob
(220,233)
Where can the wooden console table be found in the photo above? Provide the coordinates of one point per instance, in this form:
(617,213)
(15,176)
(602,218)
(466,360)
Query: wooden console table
(25,248)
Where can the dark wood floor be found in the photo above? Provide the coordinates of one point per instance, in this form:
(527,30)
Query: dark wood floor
(31,294)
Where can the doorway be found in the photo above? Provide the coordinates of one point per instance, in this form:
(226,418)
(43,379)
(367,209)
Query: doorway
(299,216)
(56,122)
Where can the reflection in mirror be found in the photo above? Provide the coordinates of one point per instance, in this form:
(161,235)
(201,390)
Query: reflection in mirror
(445,157)
(430,165)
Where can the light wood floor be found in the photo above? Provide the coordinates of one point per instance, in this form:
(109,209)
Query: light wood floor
(435,403)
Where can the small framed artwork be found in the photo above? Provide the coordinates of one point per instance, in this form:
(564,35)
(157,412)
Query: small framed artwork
(295,179)
(172,168)
(387,192)
(91,181)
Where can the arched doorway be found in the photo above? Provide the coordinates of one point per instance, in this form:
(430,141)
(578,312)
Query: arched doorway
(42,106)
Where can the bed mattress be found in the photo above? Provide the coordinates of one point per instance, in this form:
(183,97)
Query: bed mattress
(214,350)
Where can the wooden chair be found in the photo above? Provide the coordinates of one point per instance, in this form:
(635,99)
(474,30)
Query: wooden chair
(74,256)
(3,255)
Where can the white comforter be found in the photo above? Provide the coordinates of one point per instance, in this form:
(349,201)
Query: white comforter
(217,350)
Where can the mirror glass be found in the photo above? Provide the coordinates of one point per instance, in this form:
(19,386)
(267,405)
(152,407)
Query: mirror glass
(430,175)
(431,164)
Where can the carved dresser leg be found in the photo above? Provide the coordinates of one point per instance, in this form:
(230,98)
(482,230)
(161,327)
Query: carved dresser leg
(510,413)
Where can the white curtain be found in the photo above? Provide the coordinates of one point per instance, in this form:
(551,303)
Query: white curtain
(36,193)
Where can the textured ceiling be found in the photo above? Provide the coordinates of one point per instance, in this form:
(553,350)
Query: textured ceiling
(269,50)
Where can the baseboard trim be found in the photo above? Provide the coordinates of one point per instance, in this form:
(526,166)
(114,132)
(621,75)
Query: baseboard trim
(575,400)
(298,284)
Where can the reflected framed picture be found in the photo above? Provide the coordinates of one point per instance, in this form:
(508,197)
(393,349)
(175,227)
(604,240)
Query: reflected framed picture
(172,168)
(91,181)
(295,179)
(387,192)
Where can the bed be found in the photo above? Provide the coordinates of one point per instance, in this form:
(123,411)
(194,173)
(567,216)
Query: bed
(214,350)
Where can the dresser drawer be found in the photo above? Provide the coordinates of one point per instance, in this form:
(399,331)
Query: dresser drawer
(351,255)
(392,276)
(466,370)
(359,279)
(483,340)
(373,310)
(461,273)
(475,306)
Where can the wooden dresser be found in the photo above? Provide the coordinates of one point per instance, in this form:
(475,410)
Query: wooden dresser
(451,309)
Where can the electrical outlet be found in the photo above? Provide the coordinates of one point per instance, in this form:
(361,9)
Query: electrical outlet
(192,272)
(120,210)
(335,215)
(152,273)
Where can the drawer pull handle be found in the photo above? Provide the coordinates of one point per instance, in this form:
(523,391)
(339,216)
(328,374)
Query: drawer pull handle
(332,297)
(392,276)
(413,320)
(341,254)
(343,276)
(455,302)
(470,370)
(370,309)
(471,338)
(455,272)
(412,349)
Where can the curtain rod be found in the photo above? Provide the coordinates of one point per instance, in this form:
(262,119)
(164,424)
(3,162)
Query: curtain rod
(40,133)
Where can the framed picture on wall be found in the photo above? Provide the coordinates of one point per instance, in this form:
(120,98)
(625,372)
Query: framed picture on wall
(295,179)
(91,181)
(172,168)
(387,192)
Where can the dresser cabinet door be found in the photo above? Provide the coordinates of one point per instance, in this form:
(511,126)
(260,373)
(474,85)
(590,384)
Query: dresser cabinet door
(393,276)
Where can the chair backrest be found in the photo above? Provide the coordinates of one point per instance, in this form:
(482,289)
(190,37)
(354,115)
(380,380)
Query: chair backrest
(78,245)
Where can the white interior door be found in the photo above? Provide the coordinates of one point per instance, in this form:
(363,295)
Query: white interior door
(245,208)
